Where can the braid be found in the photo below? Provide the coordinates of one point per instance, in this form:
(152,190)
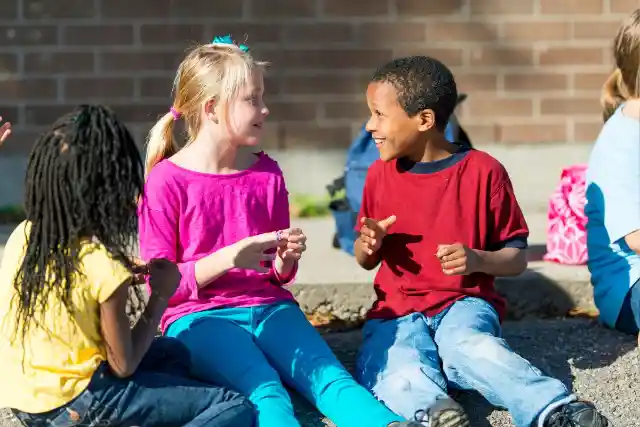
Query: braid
(83,179)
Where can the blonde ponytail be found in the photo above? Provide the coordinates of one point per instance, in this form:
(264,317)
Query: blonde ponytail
(160,143)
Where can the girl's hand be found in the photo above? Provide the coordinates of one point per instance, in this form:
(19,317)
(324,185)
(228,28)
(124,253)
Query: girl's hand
(251,253)
(5,131)
(292,244)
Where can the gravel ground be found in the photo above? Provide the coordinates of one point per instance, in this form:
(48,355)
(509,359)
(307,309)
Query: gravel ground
(600,365)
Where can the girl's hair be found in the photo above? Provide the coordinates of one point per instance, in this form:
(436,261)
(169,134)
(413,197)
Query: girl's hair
(624,82)
(83,178)
(215,72)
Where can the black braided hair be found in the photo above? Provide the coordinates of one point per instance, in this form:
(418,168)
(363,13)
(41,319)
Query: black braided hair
(421,83)
(83,180)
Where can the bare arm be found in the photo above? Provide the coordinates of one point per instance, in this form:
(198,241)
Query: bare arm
(504,262)
(125,346)
(633,240)
(214,265)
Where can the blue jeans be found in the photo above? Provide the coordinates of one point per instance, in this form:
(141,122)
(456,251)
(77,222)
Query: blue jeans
(160,393)
(410,362)
(629,318)
(252,348)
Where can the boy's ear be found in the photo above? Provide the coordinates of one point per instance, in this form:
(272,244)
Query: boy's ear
(426,120)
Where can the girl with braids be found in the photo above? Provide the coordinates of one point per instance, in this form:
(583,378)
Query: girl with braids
(613,189)
(221,212)
(69,356)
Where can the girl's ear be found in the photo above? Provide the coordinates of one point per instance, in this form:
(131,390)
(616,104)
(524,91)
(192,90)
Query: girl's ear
(210,110)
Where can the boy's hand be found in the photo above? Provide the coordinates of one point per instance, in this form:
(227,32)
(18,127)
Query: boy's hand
(457,259)
(372,232)
(5,131)
(292,245)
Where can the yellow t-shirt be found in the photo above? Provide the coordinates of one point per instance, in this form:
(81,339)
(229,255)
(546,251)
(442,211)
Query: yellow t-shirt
(60,358)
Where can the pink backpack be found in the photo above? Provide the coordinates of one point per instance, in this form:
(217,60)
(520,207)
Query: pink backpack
(566,227)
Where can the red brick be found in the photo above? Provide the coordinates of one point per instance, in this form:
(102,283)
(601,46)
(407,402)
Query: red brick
(590,81)
(385,34)
(98,87)
(53,9)
(596,30)
(498,57)
(44,115)
(29,89)
(623,6)
(312,33)
(461,31)
(452,57)
(292,111)
(476,82)
(482,133)
(8,63)
(355,111)
(305,135)
(570,106)
(344,8)
(415,8)
(538,132)
(586,131)
(535,82)
(485,106)
(10,9)
(141,61)
(32,35)
(172,34)
(252,33)
(502,7)
(156,87)
(324,84)
(571,7)
(283,8)
(60,62)
(334,59)
(171,9)
(97,35)
(140,113)
(536,31)
(574,56)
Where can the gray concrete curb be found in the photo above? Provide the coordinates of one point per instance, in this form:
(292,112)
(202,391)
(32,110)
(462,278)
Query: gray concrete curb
(532,294)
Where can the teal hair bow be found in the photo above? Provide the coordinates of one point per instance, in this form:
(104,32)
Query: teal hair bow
(228,40)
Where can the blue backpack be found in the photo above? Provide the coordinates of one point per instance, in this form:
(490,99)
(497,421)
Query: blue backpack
(346,191)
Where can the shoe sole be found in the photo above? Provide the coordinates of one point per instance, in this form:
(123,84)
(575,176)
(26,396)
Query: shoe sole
(450,419)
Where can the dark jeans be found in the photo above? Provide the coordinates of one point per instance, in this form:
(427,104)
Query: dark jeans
(160,393)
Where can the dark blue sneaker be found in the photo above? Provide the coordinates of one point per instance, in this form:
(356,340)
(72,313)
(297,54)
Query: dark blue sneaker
(577,414)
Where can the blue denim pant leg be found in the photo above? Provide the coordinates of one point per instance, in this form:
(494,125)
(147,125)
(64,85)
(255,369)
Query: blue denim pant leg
(629,318)
(399,363)
(475,357)
(160,393)
(252,348)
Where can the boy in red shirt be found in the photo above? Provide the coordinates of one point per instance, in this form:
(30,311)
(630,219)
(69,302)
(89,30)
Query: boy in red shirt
(442,221)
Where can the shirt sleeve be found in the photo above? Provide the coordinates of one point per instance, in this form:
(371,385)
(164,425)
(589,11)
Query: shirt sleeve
(158,218)
(103,274)
(281,221)
(509,227)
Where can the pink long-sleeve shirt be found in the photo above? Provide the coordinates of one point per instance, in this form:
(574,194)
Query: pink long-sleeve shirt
(186,215)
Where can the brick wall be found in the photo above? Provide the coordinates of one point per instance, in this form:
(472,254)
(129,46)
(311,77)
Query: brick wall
(532,68)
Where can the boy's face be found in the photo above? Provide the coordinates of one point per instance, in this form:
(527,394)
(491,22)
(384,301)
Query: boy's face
(395,133)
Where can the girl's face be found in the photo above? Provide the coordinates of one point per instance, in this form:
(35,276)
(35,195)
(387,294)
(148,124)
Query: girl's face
(248,112)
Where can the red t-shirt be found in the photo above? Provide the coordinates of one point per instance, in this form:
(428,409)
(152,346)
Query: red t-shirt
(467,198)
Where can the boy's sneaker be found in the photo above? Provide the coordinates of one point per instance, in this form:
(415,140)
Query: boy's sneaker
(446,412)
(577,414)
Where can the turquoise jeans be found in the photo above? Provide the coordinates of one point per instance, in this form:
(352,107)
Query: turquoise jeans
(251,349)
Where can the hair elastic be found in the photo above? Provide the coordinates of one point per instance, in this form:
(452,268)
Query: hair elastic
(228,40)
(175,113)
